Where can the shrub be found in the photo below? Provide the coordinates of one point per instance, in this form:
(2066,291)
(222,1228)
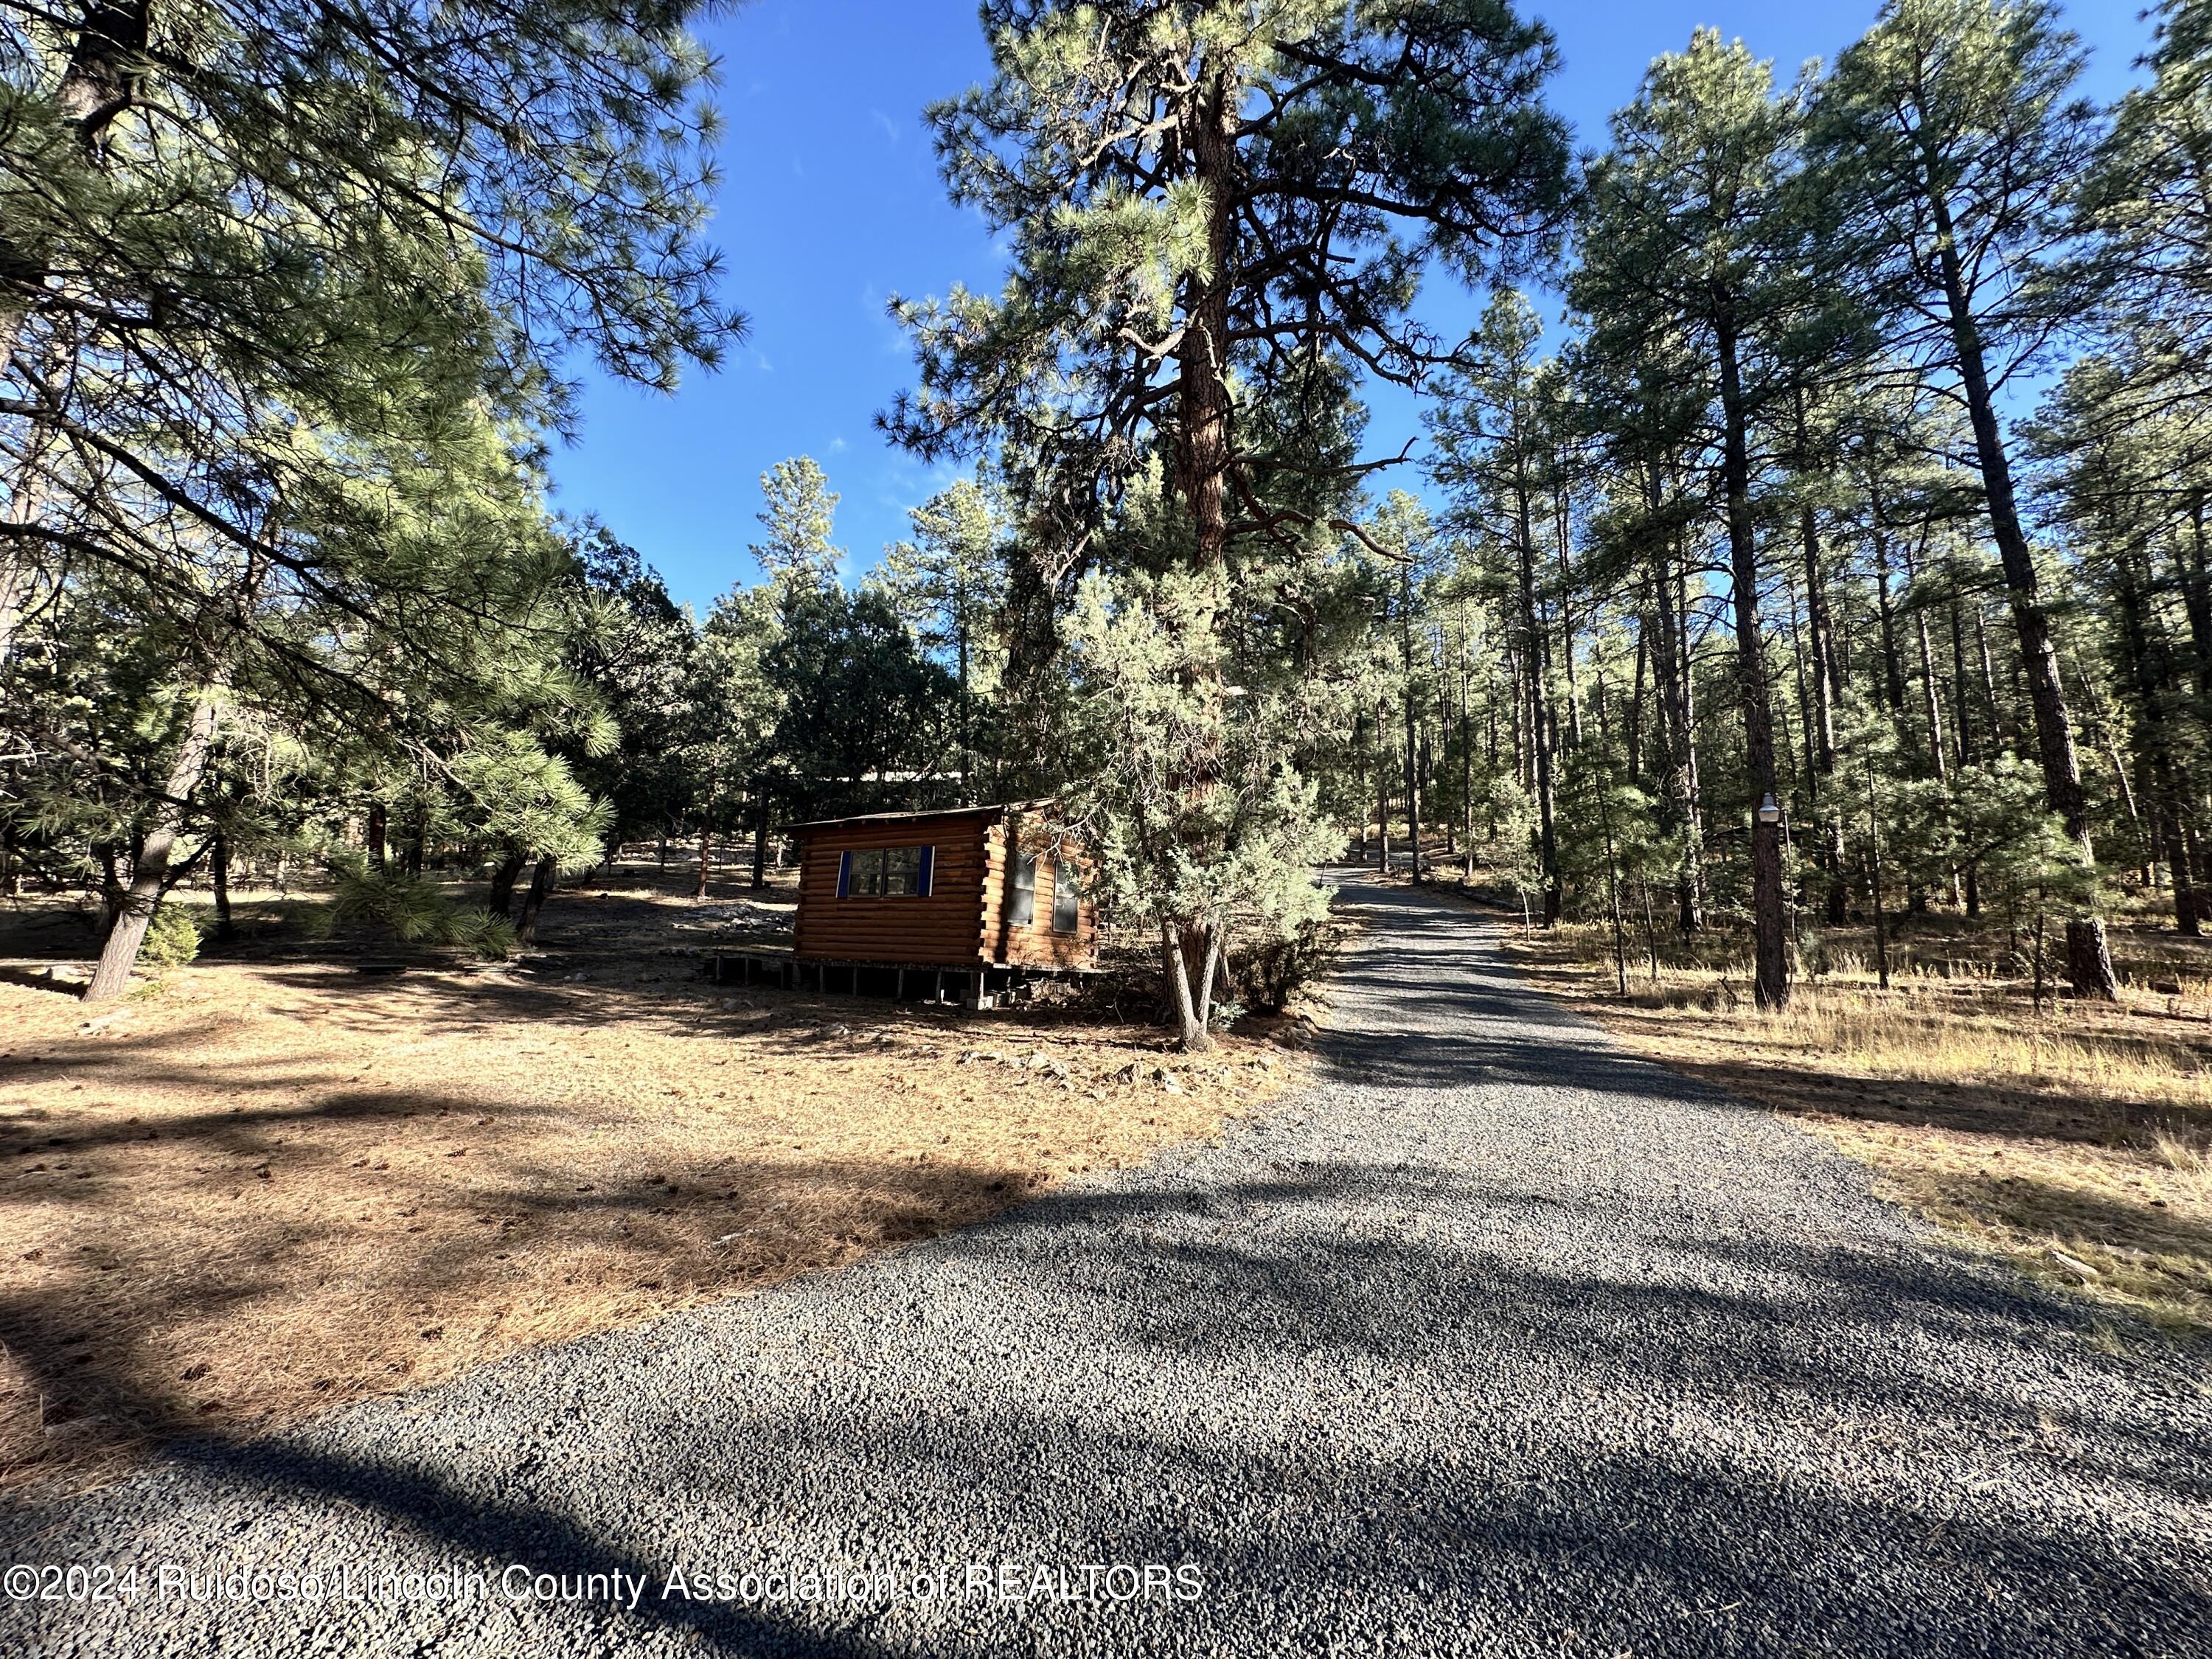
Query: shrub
(414,910)
(172,938)
(1265,978)
(490,937)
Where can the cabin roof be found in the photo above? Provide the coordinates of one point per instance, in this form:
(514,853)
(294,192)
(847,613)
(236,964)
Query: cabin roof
(866,818)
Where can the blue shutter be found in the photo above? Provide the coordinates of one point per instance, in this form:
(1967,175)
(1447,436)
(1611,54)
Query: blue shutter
(844,874)
(928,870)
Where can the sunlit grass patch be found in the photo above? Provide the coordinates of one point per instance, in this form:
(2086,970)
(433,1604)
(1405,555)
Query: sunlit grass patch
(2074,1139)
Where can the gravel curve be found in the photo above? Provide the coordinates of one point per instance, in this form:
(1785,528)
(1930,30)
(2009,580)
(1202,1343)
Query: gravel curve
(1495,1340)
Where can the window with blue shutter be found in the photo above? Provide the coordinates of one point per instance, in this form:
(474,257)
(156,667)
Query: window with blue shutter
(844,874)
(927,871)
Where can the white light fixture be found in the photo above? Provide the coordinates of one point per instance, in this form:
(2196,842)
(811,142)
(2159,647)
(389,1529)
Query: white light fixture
(1770,809)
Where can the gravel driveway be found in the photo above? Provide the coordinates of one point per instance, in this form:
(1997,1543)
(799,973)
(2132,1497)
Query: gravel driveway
(1497,1340)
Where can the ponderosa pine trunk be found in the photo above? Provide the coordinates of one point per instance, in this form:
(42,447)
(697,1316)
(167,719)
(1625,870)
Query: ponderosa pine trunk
(1540,721)
(1381,792)
(1200,434)
(1631,718)
(1826,684)
(2151,670)
(219,879)
(1769,915)
(534,897)
(1413,747)
(499,900)
(2089,958)
(150,869)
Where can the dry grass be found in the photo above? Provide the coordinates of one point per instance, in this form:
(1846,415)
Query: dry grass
(2074,1143)
(263,1188)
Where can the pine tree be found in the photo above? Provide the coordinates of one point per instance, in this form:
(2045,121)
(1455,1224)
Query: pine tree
(1950,140)
(1211,212)
(798,520)
(1694,243)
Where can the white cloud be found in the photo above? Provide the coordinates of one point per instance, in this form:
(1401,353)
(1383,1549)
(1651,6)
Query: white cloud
(890,127)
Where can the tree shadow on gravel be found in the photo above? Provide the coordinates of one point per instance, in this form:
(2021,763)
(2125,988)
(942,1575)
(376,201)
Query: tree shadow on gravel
(1335,1393)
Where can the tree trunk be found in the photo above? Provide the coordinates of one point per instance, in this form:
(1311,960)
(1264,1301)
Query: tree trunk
(2151,668)
(1191,1035)
(2089,962)
(706,859)
(219,878)
(1612,894)
(1563,532)
(500,900)
(1632,719)
(1412,748)
(2001,726)
(1381,792)
(376,833)
(1770,916)
(1202,401)
(1874,880)
(760,841)
(1963,741)
(2194,570)
(534,899)
(1538,693)
(120,952)
(1467,771)
(1893,668)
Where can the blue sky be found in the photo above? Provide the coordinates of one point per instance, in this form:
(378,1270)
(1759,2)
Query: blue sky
(830,201)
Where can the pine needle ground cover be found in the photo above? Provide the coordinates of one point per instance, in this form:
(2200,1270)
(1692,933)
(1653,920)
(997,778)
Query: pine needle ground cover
(2076,1143)
(264,1188)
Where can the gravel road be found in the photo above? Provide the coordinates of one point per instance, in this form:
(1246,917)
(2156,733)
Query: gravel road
(1496,1340)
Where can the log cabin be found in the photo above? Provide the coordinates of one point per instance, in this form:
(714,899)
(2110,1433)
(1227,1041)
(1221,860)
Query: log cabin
(983,892)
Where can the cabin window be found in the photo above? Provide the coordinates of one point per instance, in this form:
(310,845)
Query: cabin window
(1066,897)
(885,873)
(1022,910)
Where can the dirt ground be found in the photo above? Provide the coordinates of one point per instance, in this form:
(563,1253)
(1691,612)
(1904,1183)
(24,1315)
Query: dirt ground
(2075,1142)
(275,1183)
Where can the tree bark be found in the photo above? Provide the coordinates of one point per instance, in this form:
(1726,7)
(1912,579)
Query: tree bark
(2150,666)
(120,952)
(1770,916)
(1189,1016)
(219,878)
(1539,694)
(1381,792)
(706,859)
(1413,747)
(1202,400)
(1632,719)
(534,899)
(500,900)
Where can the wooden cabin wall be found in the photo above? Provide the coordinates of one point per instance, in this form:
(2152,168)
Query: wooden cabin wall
(944,928)
(1035,945)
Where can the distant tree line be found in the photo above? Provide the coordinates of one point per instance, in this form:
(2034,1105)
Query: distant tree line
(1836,552)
